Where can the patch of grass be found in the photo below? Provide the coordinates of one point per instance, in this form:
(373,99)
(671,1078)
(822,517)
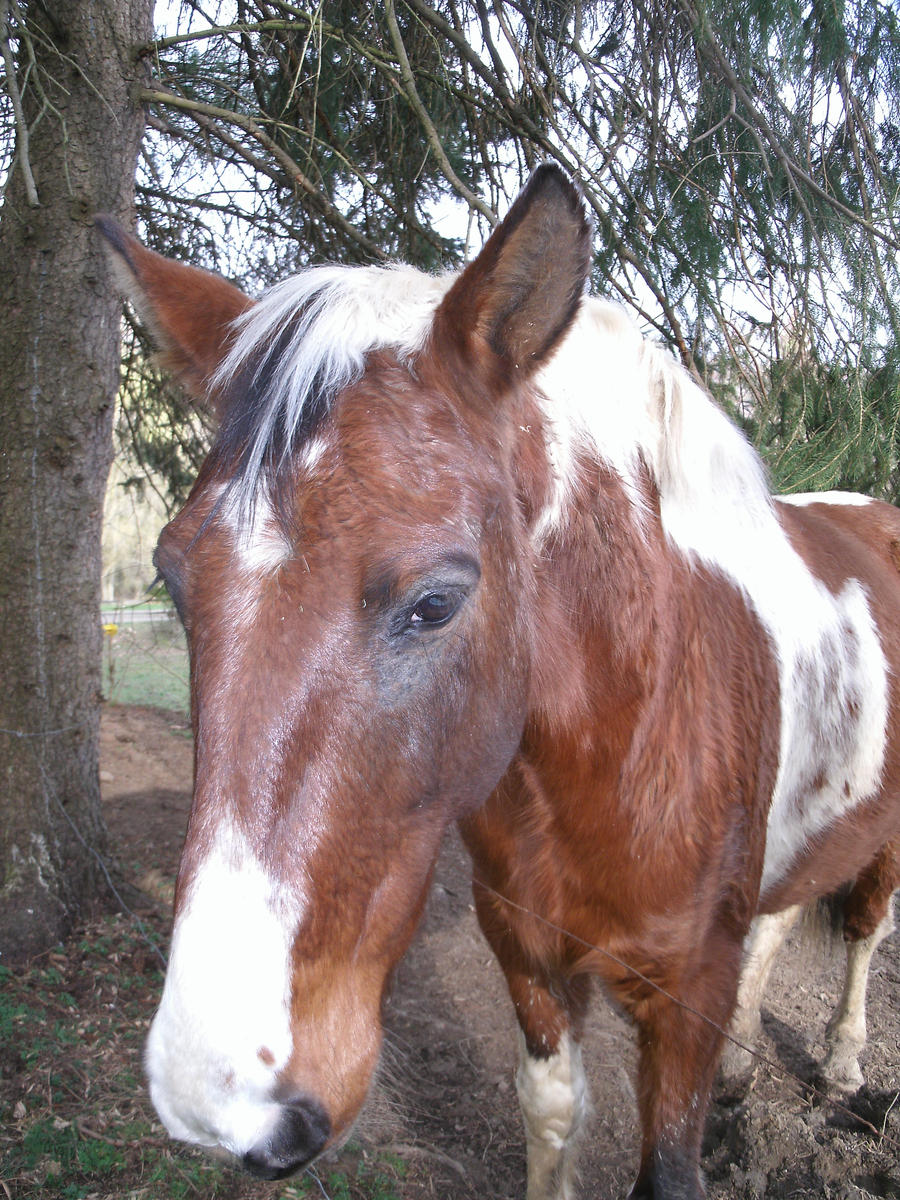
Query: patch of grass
(71,1028)
(357,1177)
(176,1176)
(57,1144)
(147,663)
(75,1119)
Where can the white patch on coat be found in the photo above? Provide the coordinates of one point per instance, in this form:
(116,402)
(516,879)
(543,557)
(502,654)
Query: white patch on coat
(834,719)
(226,1002)
(801,499)
(832,671)
(594,397)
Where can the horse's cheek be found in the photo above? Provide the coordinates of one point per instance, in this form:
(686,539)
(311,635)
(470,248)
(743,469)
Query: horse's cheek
(494,723)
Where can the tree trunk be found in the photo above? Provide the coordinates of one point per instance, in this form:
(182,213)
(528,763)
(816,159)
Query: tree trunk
(59,370)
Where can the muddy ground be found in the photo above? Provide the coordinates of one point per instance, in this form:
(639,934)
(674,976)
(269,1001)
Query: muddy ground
(446,1100)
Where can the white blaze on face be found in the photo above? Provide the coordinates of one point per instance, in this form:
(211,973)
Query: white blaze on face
(260,543)
(222,1032)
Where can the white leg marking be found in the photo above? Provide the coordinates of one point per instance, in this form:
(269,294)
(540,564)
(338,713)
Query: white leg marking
(764,940)
(553,1098)
(845,1035)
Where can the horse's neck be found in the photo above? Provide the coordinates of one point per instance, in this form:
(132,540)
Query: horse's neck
(656,502)
(604,574)
(611,395)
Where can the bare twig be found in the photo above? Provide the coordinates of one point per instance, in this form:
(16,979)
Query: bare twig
(293,172)
(409,87)
(12,86)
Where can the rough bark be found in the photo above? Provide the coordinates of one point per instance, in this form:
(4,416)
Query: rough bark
(59,369)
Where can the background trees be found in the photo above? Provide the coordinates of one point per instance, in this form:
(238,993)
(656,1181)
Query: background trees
(741,158)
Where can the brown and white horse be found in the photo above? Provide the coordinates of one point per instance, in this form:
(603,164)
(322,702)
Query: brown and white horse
(470,549)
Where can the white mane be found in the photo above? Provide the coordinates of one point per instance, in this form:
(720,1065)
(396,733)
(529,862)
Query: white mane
(606,386)
(311,333)
(613,390)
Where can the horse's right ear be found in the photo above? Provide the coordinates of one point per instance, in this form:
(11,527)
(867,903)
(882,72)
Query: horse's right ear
(188,311)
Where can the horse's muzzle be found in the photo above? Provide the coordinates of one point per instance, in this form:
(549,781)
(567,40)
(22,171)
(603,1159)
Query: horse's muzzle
(300,1134)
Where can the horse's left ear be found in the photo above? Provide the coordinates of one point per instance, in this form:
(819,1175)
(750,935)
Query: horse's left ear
(519,296)
(188,311)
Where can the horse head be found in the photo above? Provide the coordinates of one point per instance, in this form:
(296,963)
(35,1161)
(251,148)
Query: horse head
(354,571)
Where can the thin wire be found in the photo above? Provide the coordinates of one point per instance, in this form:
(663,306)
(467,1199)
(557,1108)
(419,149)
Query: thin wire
(112,887)
(313,1174)
(22,733)
(776,1068)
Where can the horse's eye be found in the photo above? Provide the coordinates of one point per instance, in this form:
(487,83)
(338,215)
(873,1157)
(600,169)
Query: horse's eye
(434,609)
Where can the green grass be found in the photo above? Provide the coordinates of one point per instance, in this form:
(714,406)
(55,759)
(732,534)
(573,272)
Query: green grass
(364,1180)
(146,663)
(56,1142)
(75,1118)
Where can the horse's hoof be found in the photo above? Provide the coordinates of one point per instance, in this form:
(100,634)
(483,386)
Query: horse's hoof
(736,1076)
(841,1073)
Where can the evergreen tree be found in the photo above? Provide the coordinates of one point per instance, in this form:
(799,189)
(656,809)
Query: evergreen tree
(742,161)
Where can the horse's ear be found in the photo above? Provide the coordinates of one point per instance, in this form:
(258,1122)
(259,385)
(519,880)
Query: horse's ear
(188,311)
(521,293)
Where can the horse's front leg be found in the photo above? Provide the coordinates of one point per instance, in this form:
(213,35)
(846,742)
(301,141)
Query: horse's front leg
(550,1081)
(679,1045)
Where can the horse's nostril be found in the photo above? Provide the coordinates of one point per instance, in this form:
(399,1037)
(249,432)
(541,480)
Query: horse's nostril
(300,1134)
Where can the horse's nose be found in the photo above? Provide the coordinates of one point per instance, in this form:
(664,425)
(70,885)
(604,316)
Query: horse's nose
(301,1132)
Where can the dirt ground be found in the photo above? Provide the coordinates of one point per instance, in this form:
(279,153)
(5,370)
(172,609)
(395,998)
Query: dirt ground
(445,1102)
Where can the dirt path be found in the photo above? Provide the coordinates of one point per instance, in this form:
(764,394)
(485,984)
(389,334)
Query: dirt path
(446,1099)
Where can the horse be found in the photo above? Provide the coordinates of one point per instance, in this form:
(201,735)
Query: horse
(469,548)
